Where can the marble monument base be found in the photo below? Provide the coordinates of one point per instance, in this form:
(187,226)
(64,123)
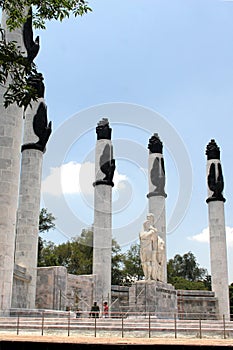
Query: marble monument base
(154,297)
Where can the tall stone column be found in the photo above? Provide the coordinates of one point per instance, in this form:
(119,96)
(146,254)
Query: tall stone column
(157,195)
(102,239)
(36,134)
(218,248)
(10,141)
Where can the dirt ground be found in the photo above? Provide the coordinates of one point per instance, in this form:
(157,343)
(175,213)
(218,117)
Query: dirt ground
(121,341)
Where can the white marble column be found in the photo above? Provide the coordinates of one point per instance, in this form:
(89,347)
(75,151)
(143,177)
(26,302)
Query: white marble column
(218,248)
(26,247)
(10,141)
(102,239)
(157,195)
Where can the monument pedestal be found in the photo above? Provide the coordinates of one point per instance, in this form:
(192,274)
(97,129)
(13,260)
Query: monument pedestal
(156,297)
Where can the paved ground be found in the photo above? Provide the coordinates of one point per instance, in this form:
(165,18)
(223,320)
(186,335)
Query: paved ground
(120,341)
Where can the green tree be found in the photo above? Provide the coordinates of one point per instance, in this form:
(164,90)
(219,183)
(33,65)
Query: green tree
(77,255)
(42,11)
(81,255)
(132,270)
(184,273)
(207,282)
(46,223)
(184,284)
(117,264)
(12,61)
(47,254)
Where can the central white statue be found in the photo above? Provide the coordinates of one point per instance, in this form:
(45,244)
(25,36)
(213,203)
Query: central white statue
(152,251)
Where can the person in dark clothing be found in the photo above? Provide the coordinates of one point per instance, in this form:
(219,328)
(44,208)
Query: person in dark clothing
(95,310)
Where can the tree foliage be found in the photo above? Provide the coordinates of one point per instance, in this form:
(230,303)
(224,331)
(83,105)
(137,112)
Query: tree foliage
(184,273)
(132,270)
(184,284)
(77,255)
(15,68)
(42,11)
(117,258)
(46,223)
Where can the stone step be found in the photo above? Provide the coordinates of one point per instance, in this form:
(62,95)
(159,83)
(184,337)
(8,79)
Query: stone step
(111,323)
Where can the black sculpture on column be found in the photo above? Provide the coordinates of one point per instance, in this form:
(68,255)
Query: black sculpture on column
(41,128)
(106,162)
(31,46)
(215,177)
(157,172)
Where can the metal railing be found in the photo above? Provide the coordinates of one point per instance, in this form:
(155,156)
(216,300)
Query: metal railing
(119,324)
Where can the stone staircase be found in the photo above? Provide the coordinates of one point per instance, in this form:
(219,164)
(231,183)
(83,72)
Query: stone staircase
(116,327)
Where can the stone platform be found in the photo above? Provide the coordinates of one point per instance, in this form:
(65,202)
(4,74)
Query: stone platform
(196,304)
(38,313)
(154,297)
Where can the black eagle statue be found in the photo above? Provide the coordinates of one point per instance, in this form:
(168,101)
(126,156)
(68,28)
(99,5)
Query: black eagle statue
(41,128)
(157,175)
(107,165)
(215,184)
(31,46)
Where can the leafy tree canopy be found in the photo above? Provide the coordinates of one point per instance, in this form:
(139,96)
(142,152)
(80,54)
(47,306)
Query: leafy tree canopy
(184,284)
(76,255)
(42,11)
(132,270)
(117,258)
(14,65)
(184,273)
(46,223)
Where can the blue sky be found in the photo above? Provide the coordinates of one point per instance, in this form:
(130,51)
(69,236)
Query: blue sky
(174,57)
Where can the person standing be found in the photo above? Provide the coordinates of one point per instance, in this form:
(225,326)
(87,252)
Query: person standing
(95,310)
(105,312)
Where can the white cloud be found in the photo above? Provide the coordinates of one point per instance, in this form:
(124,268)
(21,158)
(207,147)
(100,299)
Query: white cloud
(75,178)
(203,237)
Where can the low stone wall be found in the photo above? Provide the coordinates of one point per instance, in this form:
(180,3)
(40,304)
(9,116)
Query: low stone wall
(21,280)
(80,292)
(193,304)
(57,290)
(51,288)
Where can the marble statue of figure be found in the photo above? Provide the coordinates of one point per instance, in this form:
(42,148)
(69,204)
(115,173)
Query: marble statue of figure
(152,249)
(148,248)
